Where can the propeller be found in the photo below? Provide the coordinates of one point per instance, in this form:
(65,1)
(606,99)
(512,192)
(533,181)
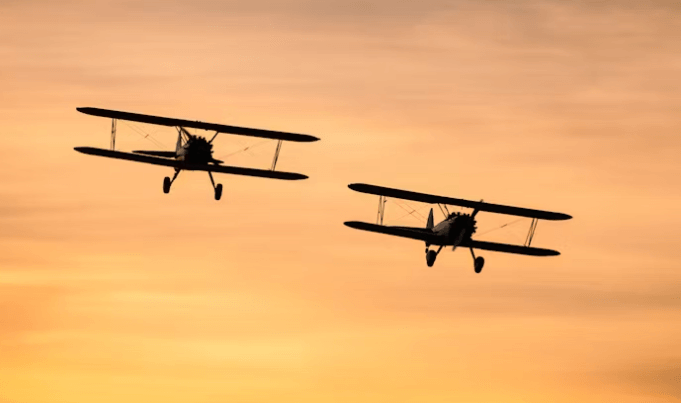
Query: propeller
(470,222)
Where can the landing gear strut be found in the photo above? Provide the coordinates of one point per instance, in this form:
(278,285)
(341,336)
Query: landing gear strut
(218,188)
(167,182)
(431,255)
(478,262)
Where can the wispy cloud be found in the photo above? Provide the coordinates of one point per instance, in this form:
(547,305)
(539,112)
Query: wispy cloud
(110,289)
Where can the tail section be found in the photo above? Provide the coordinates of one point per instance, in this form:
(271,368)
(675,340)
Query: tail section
(430,223)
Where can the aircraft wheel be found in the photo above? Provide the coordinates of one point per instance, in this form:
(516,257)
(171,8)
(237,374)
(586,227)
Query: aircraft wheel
(166,185)
(479,262)
(430,258)
(218,191)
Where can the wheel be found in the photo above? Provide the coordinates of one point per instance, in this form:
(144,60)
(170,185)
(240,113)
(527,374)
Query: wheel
(166,184)
(479,262)
(218,191)
(430,258)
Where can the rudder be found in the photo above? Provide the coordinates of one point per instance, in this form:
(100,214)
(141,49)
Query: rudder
(430,223)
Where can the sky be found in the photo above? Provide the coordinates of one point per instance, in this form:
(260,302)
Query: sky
(111,290)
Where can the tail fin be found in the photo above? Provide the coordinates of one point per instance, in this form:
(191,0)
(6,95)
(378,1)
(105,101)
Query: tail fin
(430,223)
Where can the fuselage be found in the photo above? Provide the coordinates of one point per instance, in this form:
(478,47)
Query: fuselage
(456,228)
(197,150)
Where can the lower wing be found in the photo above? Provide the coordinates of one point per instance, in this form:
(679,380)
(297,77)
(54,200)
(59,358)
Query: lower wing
(421,234)
(226,169)
(426,235)
(506,248)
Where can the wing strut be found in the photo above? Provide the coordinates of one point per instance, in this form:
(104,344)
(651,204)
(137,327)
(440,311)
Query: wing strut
(530,233)
(444,209)
(113,134)
(276,154)
(382,200)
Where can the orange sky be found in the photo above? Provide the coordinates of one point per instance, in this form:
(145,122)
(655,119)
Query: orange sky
(112,291)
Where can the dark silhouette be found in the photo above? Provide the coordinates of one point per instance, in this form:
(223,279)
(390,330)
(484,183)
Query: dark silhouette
(192,152)
(456,229)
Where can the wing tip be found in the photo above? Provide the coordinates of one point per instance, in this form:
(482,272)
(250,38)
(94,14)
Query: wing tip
(83,150)
(358,187)
(353,224)
(550,252)
(543,252)
(306,138)
(289,176)
(554,216)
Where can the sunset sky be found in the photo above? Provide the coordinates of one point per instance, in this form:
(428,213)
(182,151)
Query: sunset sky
(112,291)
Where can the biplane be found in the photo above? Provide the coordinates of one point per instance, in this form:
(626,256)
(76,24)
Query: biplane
(192,152)
(457,229)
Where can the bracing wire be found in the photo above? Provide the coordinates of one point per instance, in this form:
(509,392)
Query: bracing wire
(145,135)
(502,226)
(413,212)
(245,149)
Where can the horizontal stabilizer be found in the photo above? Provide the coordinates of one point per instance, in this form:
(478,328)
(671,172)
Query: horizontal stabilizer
(161,121)
(481,206)
(164,154)
(421,234)
(226,169)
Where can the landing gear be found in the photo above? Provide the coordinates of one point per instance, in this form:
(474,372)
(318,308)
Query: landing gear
(167,182)
(217,188)
(430,258)
(478,262)
(431,255)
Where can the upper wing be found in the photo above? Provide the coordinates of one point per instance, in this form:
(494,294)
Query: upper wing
(158,120)
(506,248)
(421,234)
(482,206)
(262,173)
